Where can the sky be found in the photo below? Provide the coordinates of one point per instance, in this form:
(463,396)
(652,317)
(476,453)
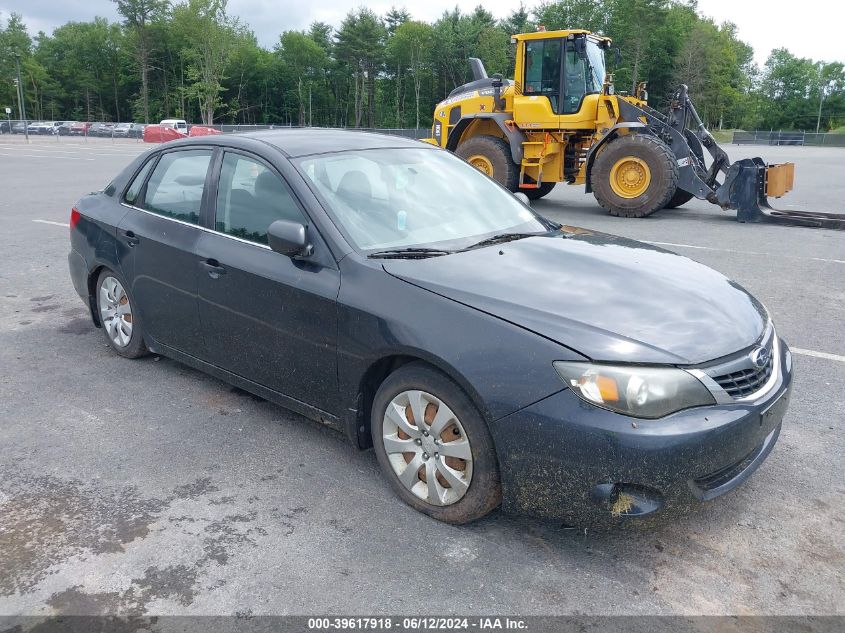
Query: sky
(763,24)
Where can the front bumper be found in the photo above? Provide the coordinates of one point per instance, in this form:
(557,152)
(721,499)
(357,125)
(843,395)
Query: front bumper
(564,458)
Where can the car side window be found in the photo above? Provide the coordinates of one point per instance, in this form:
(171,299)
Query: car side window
(250,197)
(176,185)
(135,188)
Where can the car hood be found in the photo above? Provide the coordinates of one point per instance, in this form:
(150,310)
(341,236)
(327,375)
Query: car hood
(606,297)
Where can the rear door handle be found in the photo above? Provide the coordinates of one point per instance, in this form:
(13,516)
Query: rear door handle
(130,238)
(213,267)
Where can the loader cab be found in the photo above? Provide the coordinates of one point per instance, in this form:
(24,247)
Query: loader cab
(561,74)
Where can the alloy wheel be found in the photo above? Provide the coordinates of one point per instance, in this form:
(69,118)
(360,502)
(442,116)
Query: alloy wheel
(427,447)
(115,311)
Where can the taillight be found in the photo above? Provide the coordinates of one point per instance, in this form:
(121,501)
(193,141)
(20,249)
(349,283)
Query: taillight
(74,217)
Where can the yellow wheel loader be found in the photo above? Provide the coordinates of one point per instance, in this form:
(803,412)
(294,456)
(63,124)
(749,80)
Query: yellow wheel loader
(560,120)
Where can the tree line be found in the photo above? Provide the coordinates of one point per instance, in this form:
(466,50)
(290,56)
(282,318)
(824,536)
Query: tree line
(192,59)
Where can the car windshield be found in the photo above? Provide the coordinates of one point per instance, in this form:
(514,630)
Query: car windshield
(385,199)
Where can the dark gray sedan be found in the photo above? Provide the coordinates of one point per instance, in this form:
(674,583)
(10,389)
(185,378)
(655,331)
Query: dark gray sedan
(387,289)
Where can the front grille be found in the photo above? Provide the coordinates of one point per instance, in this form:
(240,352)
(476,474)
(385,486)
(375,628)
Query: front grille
(744,382)
(738,375)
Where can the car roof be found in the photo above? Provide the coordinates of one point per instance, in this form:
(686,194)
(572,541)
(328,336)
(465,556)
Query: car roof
(297,142)
(303,141)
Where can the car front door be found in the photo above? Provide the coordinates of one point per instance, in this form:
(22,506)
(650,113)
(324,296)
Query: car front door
(159,235)
(267,317)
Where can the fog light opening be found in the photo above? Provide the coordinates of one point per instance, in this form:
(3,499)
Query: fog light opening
(627,499)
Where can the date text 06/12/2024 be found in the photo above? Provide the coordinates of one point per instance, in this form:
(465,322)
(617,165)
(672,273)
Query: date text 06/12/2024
(417,623)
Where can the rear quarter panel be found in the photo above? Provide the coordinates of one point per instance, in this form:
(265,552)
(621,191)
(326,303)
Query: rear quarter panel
(94,238)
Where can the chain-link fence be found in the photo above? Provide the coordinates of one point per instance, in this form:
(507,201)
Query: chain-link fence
(79,129)
(786,137)
(416,133)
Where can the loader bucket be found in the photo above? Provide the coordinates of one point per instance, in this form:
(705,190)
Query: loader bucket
(748,185)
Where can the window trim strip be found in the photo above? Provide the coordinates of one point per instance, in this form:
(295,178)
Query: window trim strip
(197,226)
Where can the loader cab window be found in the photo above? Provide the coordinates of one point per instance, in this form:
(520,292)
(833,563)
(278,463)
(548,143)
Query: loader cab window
(583,74)
(574,79)
(542,70)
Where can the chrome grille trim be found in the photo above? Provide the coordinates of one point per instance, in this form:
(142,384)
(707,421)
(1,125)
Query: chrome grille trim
(736,379)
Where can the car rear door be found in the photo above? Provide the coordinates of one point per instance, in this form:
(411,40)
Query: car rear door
(266,317)
(159,235)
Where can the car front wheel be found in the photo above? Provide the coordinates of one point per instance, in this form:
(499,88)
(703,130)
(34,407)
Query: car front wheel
(434,446)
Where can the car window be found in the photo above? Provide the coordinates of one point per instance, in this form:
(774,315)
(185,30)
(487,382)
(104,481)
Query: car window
(135,188)
(250,197)
(176,185)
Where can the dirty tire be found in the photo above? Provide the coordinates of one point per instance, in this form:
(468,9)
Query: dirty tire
(663,173)
(498,154)
(543,190)
(680,197)
(135,347)
(484,492)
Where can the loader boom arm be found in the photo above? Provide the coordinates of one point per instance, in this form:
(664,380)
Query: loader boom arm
(744,185)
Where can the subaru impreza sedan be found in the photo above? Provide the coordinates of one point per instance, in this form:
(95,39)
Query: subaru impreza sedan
(489,356)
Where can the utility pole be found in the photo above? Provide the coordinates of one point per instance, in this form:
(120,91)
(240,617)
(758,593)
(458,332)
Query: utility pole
(20,97)
(821,99)
(310,119)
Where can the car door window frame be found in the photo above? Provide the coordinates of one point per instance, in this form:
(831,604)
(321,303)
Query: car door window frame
(323,254)
(218,170)
(212,203)
(142,193)
(150,163)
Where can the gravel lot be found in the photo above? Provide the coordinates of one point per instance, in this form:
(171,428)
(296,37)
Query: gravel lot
(144,487)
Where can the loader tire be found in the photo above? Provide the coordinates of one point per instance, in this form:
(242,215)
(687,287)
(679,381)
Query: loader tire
(491,156)
(679,198)
(634,176)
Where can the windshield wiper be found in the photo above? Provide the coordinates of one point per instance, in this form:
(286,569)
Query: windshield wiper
(501,238)
(408,253)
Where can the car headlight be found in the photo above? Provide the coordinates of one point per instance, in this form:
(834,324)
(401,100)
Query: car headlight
(641,392)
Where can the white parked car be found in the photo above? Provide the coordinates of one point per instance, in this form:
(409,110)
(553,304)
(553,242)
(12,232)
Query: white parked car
(180,125)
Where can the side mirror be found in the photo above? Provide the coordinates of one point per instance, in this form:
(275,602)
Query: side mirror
(522,198)
(289,238)
(580,45)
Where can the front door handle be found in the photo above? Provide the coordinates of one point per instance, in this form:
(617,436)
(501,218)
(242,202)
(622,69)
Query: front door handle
(130,238)
(213,267)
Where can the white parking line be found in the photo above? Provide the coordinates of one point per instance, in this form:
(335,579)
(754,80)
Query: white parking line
(727,250)
(55,151)
(825,355)
(49,150)
(64,224)
(17,154)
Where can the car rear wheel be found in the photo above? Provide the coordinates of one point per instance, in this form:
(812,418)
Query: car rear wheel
(121,324)
(434,446)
